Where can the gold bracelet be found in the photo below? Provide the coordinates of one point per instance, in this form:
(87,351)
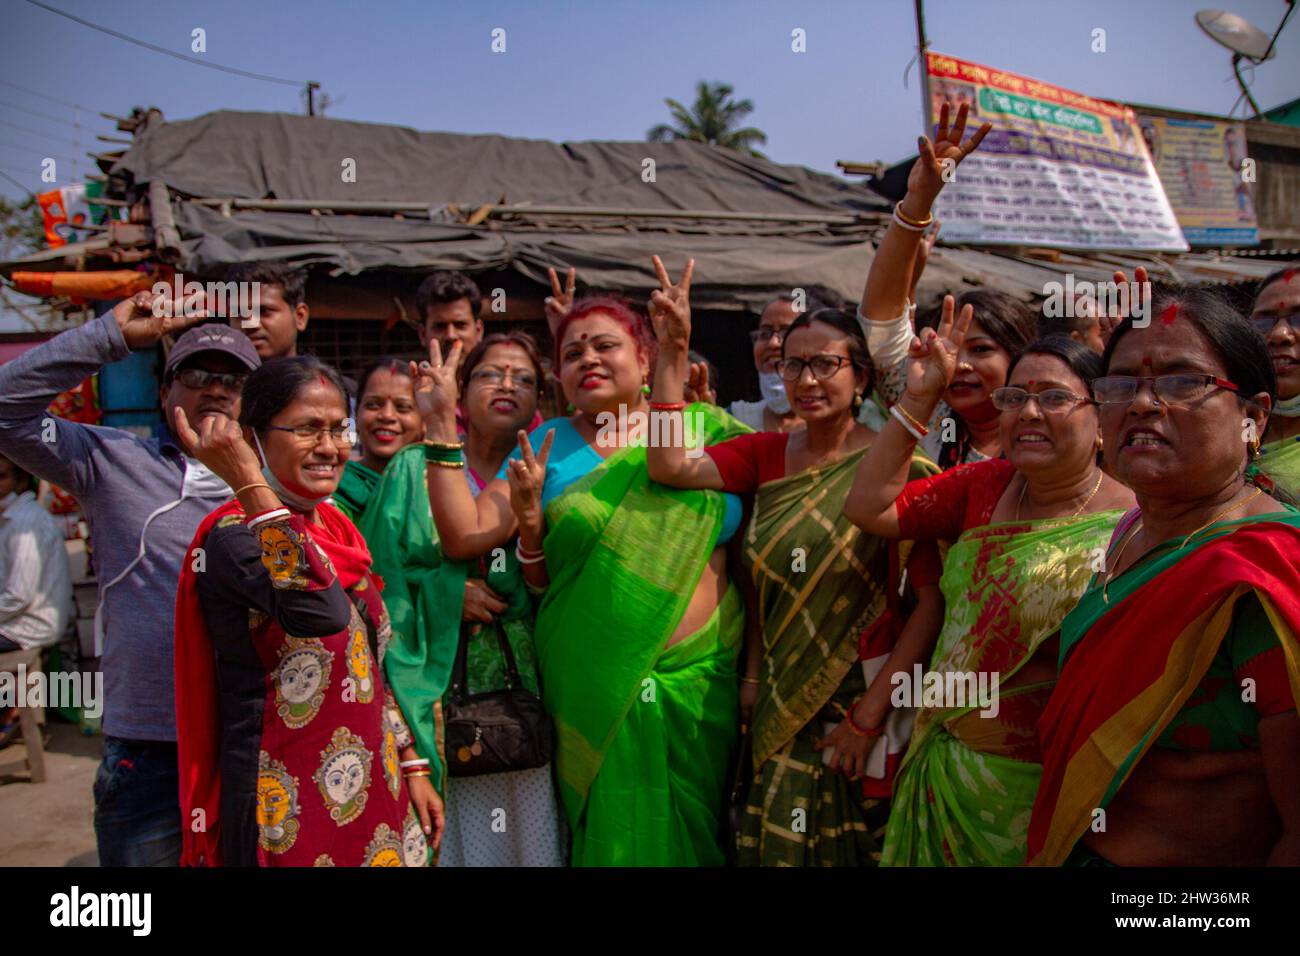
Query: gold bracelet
(445,445)
(908,220)
(445,464)
(417,773)
(914,423)
(750,680)
(255,484)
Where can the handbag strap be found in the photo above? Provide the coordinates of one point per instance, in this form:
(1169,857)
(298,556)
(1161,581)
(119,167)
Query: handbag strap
(460,682)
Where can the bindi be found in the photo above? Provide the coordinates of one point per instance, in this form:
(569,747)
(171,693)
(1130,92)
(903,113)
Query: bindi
(1169,314)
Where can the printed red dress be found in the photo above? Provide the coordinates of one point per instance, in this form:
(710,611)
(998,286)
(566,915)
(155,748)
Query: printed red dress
(287,733)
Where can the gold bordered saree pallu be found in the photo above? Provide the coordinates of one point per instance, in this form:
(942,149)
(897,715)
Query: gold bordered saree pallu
(821,582)
(1131,664)
(644,731)
(966,787)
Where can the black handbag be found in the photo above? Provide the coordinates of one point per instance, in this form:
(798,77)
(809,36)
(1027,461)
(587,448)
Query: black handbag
(496,731)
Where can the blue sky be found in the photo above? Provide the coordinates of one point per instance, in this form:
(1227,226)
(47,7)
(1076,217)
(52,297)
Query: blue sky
(591,70)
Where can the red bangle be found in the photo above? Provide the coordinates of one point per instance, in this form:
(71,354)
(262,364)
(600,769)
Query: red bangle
(856,727)
(667,406)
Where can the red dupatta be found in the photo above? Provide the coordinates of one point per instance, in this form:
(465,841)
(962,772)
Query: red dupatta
(198,731)
(1140,660)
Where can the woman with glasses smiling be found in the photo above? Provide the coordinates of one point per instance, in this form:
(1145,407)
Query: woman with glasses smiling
(292,749)
(1026,529)
(825,739)
(1171,738)
(437,603)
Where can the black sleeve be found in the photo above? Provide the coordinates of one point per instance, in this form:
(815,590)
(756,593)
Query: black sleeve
(234,573)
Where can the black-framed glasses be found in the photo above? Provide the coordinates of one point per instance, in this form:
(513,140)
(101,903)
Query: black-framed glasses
(339,434)
(495,376)
(766,333)
(823,367)
(197,378)
(1265,321)
(1177,389)
(1012,398)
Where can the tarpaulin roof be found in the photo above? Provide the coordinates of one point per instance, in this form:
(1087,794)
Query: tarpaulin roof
(600,214)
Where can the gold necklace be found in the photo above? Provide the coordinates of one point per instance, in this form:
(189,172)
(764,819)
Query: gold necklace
(1138,527)
(1092,494)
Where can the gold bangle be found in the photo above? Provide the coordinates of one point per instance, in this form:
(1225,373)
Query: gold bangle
(255,484)
(911,419)
(445,445)
(750,680)
(445,464)
(417,773)
(914,223)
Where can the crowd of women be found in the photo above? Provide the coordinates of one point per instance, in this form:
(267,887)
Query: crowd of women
(476,645)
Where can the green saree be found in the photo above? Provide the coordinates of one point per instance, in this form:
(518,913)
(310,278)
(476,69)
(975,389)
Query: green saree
(966,787)
(644,731)
(356,486)
(424,592)
(1280,460)
(820,582)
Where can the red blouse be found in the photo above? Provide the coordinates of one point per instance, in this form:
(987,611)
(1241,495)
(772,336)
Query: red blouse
(957,500)
(747,461)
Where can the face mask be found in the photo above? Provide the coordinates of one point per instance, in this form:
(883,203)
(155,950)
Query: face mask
(772,386)
(201,482)
(294,500)
(1287,407)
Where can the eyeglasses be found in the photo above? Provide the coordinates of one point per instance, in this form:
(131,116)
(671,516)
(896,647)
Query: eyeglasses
(823,367)
(341,435)
(1265,321)
(765,333)
(1169,389)
(1011,398)
(197,378)
(495,376)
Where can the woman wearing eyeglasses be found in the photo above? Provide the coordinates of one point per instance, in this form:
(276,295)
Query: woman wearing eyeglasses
(825,740)
(1026,530)
(387,421)
(436,603)
(1276,316)
(1171,738)
(292,749)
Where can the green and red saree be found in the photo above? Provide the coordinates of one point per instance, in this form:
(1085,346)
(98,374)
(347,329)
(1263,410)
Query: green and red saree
(820,582)
(644,731)
(1131,666)
(966,786)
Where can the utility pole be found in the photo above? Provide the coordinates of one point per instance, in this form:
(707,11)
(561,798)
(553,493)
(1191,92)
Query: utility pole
(313,86)
(922,46)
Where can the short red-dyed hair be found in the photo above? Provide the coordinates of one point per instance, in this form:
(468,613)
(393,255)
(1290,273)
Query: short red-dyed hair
(631,319)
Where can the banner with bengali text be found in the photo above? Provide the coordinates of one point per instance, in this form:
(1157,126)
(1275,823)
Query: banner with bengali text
(1058,169)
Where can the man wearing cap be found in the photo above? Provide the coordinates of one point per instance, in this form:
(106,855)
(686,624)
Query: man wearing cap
(143,499)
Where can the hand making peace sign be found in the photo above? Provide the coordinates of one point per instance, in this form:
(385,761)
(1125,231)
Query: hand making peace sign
(926,178)
(560,301)
(436,390)
(932,356)
(670,306)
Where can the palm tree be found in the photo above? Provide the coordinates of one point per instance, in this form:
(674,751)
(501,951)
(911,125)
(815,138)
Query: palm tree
(712,119)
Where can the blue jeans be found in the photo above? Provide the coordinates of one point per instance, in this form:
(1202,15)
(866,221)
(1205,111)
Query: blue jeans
(138,804)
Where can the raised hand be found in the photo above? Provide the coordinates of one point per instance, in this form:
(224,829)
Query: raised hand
(932,357)
(926,179)
(527,476)
(436,391)
(146,317)
(218,442)
(560,301)
(1110,322)
(697,387)
(670,306)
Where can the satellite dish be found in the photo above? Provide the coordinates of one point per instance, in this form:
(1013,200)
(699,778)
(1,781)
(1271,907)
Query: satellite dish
(1237,33)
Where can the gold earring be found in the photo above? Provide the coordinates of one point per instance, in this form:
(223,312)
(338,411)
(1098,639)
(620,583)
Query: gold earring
(1100,444)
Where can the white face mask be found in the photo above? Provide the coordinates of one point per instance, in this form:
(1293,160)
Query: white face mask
(200,481)
(1287,407)
(296,501)
(772,386)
